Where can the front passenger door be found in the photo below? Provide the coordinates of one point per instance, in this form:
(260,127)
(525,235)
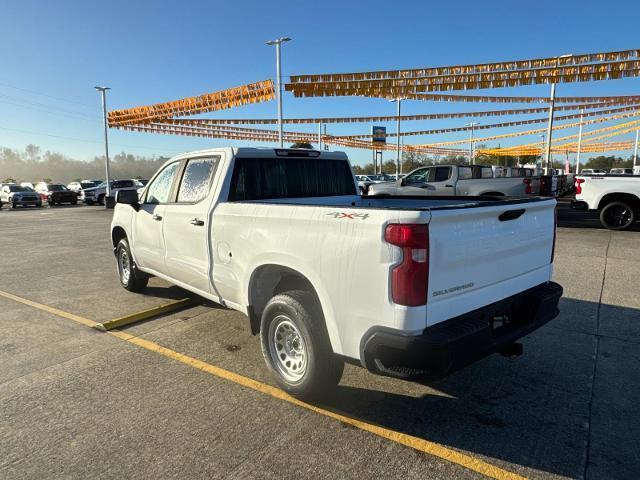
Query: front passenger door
(148,242)
(187,224)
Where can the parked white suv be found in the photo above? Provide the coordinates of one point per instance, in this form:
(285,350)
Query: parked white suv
(411,288)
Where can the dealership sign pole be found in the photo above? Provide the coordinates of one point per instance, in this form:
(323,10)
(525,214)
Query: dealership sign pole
(378,138)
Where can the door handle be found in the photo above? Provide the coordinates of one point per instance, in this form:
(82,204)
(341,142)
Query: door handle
(196,222)
(156,217)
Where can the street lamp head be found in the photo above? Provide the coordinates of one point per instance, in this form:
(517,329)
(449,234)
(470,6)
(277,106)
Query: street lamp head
(102,89)
(472,124)
(278,41)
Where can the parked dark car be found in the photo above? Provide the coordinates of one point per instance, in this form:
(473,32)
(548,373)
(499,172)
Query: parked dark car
(55,194)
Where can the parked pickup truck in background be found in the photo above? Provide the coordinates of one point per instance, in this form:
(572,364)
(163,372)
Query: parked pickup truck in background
(454,180)
(616,197)
(409,287)
(98,194)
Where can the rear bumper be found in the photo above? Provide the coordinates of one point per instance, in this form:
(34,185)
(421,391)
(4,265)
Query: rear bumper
(458,342)
(579,205)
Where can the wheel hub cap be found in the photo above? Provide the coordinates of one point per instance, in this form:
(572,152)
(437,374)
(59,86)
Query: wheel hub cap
(287,349)
(125,266)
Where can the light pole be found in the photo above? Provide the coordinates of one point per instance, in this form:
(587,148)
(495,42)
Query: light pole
(542,136)
(398,147)
(579,143)
(552,101)
(103,91)
(635,151)
(472,125)
(278,42)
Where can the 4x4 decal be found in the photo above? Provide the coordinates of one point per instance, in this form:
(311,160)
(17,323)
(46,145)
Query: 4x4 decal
(350,216)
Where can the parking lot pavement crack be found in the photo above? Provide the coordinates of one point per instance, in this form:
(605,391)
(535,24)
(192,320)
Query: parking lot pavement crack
(595,361)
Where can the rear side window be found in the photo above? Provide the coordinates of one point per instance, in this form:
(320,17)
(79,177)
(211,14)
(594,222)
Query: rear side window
(464,173)
(196,180)
(263,178)
(442,174)
(122,184)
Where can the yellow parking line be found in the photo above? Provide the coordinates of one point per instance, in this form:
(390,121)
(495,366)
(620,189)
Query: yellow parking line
(47,308)
(416,443)
(145,314)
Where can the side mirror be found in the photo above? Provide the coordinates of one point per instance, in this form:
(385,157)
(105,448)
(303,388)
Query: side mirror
(402,182)
(128,197)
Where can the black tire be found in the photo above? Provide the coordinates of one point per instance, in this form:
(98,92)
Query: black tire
(51,203)
(617,216)
(75,202)
(134,280)
(89,202)
(297,315)
(101,199)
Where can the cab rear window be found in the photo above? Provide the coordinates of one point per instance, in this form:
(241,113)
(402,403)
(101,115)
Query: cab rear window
(290,177)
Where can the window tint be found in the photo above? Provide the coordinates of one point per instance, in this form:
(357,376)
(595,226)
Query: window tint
(160,189)
(196,180)
(262,178)
(442,174)
(419,176)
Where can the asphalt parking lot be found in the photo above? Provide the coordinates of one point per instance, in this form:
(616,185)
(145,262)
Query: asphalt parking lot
(173,397)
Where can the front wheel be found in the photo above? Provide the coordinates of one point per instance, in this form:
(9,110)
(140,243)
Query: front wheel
(131,278)
(101,200)
(296,346)
(617,216)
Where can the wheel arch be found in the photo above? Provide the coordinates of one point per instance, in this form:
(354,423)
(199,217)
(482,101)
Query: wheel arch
(629,198)
(270,279)
(117,234)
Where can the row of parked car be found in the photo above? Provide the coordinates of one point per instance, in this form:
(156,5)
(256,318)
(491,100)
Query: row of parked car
(88,191)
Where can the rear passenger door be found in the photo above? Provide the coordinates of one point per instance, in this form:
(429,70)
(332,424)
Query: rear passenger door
(186,224)
(440,181)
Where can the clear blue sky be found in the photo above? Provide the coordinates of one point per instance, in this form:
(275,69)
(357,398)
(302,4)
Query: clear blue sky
(53,53)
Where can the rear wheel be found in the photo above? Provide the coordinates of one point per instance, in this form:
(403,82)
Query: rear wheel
(51,203)
(296,346)
(130,277)
(101,199)
(617,216)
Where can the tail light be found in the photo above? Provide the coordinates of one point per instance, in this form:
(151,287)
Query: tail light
(410,279)
(527,186)
(578,183)
(555,229)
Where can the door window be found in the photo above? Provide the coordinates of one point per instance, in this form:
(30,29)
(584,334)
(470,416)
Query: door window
(160,189)
(196,180)
(419,176)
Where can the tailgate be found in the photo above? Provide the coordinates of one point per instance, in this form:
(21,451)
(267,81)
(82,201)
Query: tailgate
(480,255)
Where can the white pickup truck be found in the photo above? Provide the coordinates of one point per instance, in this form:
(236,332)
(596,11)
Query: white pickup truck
(455,180)
(412,288)
(616,197)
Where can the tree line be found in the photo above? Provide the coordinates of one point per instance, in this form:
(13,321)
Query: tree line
(32,165)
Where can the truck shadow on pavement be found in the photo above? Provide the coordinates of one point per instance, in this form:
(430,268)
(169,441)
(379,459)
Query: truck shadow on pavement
(543,410)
